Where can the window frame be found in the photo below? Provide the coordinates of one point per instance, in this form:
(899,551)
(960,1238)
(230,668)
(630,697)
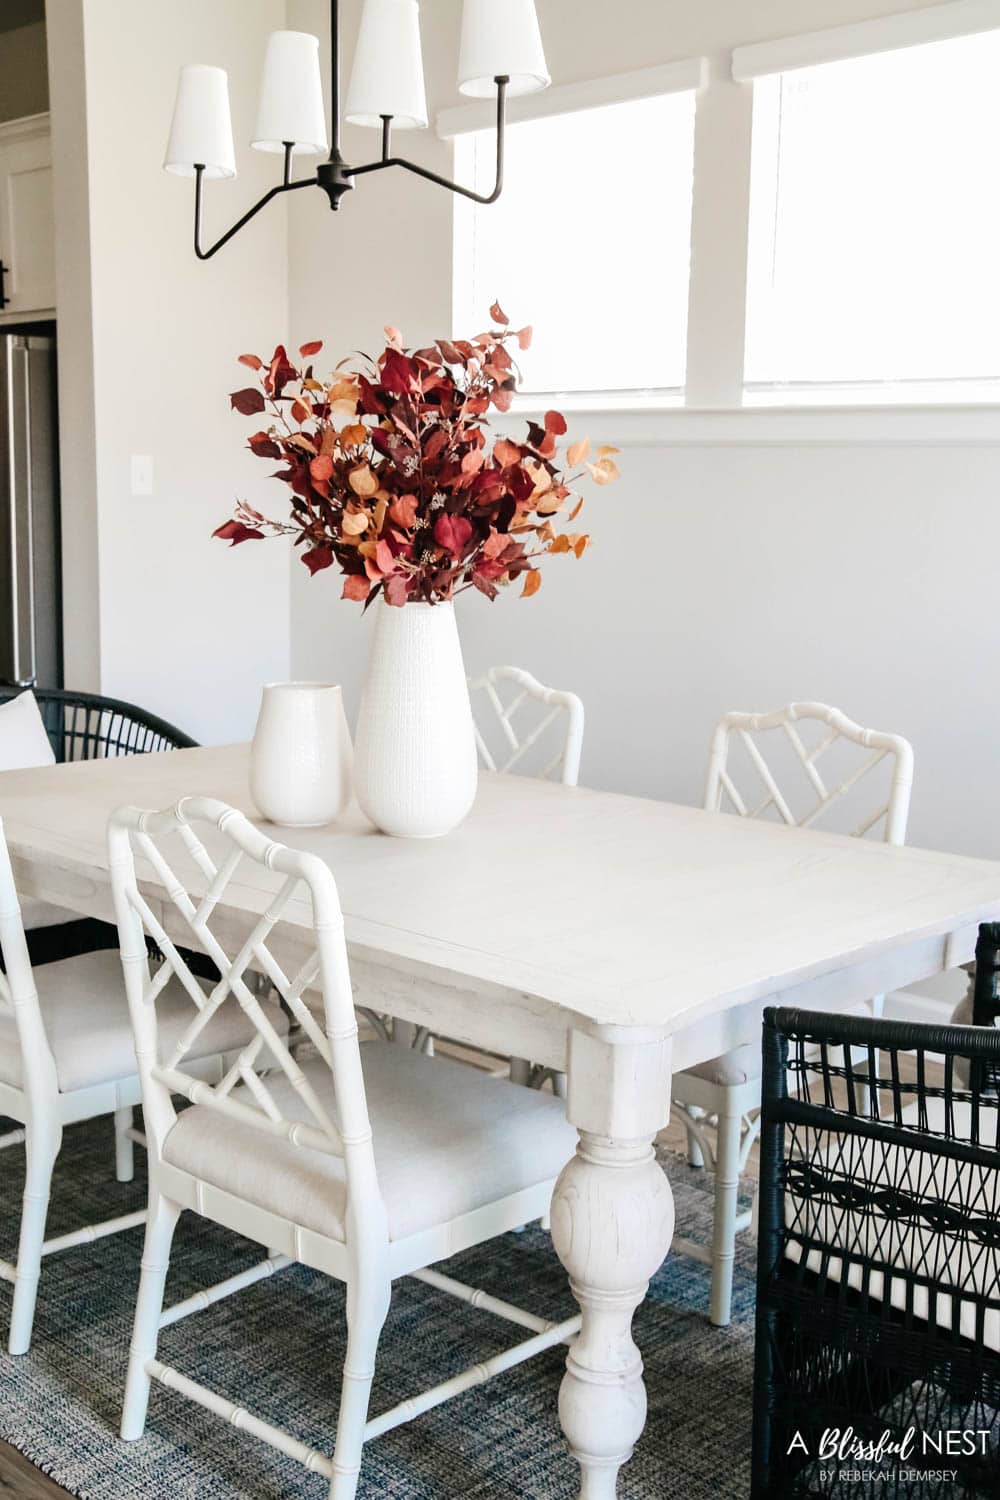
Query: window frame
(779,64)
(685,76)
(714,406)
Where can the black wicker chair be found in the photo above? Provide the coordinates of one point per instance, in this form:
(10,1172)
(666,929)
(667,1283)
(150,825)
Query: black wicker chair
(85,726)
(986,989)
(878,1312)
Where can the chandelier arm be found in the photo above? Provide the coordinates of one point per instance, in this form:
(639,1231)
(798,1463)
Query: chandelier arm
(199,173)
(428,176)
(445,182)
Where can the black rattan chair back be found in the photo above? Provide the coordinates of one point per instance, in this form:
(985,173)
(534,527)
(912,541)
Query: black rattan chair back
(985,997)
(878,1313)
(85,726)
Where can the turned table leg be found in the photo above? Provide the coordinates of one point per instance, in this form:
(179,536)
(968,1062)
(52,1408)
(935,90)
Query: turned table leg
(612,1221)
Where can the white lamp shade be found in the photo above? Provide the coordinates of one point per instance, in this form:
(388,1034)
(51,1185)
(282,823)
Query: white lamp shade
(388,73)
(291,96)
(501,38)
(201,131)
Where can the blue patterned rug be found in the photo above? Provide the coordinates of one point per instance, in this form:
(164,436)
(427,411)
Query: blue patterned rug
(277,1348)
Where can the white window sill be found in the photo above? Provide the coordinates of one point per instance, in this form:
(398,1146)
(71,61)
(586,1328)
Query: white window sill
(659,423)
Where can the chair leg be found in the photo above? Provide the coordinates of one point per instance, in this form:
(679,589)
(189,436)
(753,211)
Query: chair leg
(124,1149)
(404,1032)
(160,1226)
(683,1114)
(695,1155)
(366,1312)
(727,1180)
(42,1147)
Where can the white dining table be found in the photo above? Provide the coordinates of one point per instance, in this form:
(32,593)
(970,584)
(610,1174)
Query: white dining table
(615,938)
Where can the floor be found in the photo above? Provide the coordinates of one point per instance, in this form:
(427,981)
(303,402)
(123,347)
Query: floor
(18,1477)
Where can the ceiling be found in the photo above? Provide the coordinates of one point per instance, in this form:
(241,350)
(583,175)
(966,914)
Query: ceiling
(14,13)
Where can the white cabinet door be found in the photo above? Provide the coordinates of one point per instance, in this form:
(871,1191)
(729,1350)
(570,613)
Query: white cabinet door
(27,236)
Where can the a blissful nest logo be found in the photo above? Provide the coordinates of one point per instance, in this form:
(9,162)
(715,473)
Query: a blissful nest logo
(916,1456)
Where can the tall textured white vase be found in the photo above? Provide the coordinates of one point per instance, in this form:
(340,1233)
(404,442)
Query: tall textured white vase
(415,764)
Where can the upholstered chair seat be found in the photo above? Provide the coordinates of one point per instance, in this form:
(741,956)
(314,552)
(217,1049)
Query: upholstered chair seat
(86,1020)
(447,1141)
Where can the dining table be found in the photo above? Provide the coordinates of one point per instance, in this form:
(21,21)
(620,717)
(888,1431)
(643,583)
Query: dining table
(614,938)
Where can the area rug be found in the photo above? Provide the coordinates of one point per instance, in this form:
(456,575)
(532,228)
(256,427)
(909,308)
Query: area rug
(277,1348)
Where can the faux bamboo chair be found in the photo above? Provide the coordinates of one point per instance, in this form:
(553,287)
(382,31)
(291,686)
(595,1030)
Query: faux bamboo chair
(548,745)
(365,1162)
(66,1055)
(545,742)
(717,1101)
(86,726)
(878,1311)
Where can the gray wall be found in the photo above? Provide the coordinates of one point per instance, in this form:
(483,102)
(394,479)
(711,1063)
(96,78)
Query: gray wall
(747,577)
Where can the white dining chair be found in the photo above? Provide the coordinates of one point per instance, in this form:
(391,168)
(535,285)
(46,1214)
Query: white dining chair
(780,776)
(66,1055)
(364,1161)
(522,728)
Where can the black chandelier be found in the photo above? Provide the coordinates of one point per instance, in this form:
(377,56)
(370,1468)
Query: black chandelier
(501,51)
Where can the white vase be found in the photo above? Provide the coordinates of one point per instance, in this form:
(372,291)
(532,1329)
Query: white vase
(300,764)
(415,764)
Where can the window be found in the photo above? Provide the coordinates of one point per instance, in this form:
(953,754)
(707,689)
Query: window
(590,243)
(875,229)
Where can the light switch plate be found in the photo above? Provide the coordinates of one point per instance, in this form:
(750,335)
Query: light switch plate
(142,474)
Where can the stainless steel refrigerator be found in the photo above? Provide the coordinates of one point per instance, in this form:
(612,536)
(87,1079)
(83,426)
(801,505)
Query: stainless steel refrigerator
(30,606)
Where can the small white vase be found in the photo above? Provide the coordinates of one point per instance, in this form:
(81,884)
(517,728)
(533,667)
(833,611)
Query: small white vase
(415,763)
(300,765)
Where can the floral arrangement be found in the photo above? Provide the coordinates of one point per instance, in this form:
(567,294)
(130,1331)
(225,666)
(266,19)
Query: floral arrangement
(396,477)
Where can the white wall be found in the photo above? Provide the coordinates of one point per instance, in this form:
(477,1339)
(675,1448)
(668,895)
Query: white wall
(77,440)
(721,576)
(185,627)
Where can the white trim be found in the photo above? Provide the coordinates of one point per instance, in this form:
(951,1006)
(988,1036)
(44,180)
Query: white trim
(565,98)
(936,23)
(531,403)
(27,129)
(635,425)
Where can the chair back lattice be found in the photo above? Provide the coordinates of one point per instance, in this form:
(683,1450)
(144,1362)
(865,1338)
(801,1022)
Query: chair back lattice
(333,1121)
(522,726)
(878,1303)
(18,993)
(87,726)
(800,766)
